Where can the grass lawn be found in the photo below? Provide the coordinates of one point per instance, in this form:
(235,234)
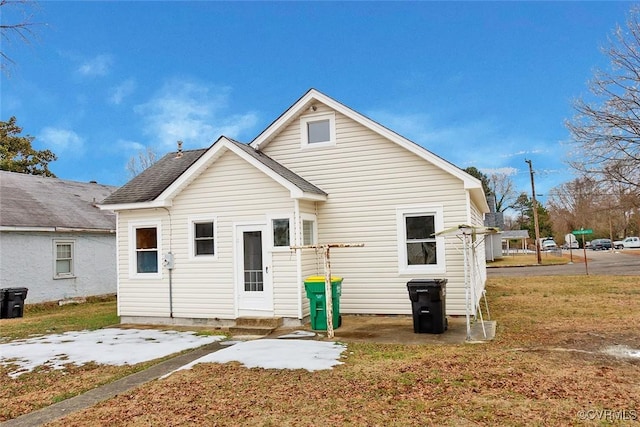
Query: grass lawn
(544,368)
(519,260)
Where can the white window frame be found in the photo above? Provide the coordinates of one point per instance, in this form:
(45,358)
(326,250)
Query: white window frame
(310,118)
(403,266)
(270,219)
(309,217)
(133,262)
(192,221)
(71,273)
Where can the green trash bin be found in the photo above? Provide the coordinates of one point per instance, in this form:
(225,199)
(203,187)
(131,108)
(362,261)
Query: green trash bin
(314,286)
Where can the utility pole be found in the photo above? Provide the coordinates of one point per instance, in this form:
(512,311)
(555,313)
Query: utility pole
(535,213)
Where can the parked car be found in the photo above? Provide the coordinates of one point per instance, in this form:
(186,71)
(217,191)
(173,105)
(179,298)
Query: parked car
(549,245)
(601,244)
(629,242)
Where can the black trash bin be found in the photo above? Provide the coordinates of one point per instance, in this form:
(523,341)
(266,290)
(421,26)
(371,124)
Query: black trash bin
(13,302)
(428,299)
(2,303)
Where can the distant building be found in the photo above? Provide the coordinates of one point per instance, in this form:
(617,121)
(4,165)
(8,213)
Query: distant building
(53,239)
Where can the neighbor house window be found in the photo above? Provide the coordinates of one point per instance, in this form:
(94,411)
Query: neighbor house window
(318,130)
(419,249)
(63,255)
(281,232)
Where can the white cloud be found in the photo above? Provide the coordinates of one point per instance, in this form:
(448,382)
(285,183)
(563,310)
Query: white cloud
(61,140)
(193,113)
(507,170)
(96,66)
(124,89)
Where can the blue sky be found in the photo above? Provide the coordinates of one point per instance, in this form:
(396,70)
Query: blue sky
(484,84)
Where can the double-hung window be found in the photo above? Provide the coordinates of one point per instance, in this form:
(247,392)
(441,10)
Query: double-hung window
(419,249)
(63,258)
(203,238)
(145,249)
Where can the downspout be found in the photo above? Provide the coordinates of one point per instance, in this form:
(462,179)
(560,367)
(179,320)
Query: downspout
(298,241)
(168,262)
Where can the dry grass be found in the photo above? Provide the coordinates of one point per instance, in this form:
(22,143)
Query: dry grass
(544,368)
(520,260)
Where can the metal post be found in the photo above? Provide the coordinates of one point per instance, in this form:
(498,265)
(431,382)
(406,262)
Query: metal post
(328,296)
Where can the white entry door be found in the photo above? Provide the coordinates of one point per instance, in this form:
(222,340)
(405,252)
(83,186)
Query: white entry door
(255,293)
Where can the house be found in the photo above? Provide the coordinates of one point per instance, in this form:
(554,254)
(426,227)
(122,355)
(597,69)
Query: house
(54,241)
(205,236)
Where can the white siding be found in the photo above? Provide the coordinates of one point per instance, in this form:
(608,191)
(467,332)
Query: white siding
(28,261)
(367,178)
(232,191)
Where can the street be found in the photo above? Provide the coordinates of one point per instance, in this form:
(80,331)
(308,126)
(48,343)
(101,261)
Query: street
(618,262)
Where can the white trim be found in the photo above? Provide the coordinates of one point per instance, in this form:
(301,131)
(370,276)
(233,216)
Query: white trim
(133,264)
(272,216)
(403,267)
(198,219)
(131,206)
(312,118)
(71,273)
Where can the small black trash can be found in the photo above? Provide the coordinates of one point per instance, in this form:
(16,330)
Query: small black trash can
(13,302)
(428,300)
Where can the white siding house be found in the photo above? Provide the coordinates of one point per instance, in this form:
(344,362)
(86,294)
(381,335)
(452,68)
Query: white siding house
(54,241)
(321,173)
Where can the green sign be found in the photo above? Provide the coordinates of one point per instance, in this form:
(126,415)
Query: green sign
(579,232)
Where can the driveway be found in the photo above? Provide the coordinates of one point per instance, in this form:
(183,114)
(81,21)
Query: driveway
(621,263)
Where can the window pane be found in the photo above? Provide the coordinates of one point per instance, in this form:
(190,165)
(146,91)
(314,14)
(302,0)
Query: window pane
(204,247)
(63,267)
(420,227)
(204,229)
(421,253)
(146,238)
(280,232)
(307,233)
(148,262)
(318,131)
(63,251)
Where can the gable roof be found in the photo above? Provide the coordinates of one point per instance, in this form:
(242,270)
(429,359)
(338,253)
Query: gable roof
(158,184)
(151,182)
(472,184)
(51,204)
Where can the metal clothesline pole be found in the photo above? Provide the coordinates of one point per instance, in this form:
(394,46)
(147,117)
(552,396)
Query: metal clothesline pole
(327,276)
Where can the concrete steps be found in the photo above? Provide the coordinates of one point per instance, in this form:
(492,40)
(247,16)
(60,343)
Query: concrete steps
(255,325)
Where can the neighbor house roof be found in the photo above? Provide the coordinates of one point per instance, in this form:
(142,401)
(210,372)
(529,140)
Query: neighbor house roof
(171,173)
(514,234)
(51,204)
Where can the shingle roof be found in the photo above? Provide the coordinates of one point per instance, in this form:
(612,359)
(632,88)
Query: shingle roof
(154,180)
(287,174)
(35,201)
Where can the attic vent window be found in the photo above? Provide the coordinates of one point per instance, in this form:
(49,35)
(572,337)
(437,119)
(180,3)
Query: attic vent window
(318,130)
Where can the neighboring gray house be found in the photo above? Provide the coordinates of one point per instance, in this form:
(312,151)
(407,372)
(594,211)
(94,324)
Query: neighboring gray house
(54,240)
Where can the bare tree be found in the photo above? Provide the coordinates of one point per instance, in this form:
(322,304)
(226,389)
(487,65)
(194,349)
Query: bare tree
(503,188)
(606,133)
(17,24)
(143,160)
